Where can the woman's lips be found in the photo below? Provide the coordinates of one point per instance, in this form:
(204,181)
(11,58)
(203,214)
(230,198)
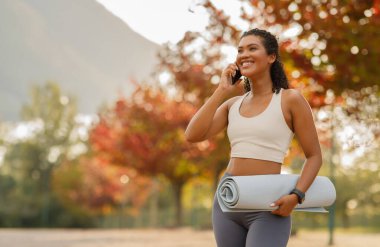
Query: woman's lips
(246,64)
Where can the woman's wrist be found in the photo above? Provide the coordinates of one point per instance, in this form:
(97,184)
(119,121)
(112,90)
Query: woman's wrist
(221,93)
(294,197)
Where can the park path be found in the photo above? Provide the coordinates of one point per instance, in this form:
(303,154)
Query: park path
(183,237)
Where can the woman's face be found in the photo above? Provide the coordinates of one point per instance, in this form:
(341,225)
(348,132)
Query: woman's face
(252,58)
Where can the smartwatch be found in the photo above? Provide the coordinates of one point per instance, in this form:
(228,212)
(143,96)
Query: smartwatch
(300,195)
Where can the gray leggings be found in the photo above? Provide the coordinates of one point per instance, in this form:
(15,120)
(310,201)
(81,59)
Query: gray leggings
(249,229)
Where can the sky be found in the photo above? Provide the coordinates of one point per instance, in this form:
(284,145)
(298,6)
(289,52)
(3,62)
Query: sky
(167,20)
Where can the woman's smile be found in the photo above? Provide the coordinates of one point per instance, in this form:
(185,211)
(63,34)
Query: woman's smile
(246,64)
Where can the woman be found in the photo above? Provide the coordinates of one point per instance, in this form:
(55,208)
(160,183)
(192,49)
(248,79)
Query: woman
(260,125)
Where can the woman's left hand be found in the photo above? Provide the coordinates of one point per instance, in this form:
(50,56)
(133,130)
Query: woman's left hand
(285,204)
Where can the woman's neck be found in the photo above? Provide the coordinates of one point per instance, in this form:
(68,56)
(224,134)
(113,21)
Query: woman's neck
(261,85)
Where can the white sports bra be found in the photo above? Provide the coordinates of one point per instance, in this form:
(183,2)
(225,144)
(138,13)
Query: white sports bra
(265,136)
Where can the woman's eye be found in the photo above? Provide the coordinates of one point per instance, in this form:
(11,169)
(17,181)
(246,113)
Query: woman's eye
(250,49)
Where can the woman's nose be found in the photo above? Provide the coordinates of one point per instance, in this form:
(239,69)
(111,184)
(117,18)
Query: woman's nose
(242,55)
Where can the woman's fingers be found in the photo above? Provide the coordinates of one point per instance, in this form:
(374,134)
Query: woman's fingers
(226,77)
(230,71)
(233,67)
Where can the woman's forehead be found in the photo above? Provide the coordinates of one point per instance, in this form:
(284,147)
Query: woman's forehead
(250,39)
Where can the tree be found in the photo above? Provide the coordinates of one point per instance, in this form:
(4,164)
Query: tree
(92,185)
(348,127)
(336,38)
(30,161)
(146,133)
(320,32)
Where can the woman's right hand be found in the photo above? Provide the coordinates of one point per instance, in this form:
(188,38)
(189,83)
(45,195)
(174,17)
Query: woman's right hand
(225,80)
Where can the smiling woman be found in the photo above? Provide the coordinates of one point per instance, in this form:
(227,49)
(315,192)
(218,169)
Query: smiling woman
(260,126)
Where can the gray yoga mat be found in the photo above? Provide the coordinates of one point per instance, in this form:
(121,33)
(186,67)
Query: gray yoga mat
(257,192)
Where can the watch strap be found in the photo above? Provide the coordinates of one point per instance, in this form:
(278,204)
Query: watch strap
(300,195)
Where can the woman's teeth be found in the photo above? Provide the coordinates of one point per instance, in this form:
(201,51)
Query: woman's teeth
(246,64)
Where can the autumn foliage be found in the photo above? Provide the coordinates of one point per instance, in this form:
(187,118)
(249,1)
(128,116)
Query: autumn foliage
(95,185)
(146,133)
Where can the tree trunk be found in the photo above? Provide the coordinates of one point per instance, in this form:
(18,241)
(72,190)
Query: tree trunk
(45,214)
(153,205)
(215,180)
(177,187)
(345,219)
(218,168)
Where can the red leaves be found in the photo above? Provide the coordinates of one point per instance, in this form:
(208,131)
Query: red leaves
(376,7)
(146,133)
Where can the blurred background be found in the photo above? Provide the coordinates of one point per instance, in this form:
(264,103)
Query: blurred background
(96,95)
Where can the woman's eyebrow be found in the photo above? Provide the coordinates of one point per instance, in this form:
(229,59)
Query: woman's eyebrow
(251,44)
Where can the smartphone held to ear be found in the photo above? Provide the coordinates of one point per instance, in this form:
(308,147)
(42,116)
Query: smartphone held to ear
(235,78)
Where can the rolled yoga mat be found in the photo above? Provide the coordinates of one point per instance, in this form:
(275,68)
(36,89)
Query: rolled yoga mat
(257,192)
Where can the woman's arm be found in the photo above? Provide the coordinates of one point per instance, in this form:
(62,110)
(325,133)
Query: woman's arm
(212,116)
(209,119)
(306,133)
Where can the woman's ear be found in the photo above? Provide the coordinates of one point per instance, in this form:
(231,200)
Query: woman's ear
(272,58)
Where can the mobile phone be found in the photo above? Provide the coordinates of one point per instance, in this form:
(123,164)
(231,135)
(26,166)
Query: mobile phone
(235,78)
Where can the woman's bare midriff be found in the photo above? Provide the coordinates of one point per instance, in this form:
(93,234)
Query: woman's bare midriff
(249,166)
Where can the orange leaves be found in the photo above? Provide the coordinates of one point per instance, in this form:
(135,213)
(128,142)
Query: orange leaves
(376,7)
(151,140)
(94,184)
(146,133)
(101,137)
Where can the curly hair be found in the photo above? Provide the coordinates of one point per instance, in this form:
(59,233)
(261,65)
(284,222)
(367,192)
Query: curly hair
(277,72)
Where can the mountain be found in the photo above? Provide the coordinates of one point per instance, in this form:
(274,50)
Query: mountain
(80,45)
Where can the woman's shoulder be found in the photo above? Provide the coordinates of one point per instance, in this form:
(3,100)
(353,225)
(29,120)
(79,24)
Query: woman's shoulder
(294,99)
(232,100)
(293,96)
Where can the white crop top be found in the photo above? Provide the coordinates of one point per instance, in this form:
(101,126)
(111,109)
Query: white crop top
(265,136)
